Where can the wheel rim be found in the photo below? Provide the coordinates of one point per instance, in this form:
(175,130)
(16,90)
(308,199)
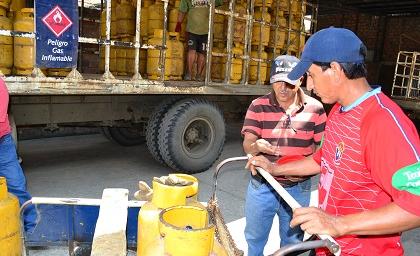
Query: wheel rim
(197,138)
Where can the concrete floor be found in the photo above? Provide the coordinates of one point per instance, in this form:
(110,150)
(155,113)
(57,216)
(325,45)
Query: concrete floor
(82,166)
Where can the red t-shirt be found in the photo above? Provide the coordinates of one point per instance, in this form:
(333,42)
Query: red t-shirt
(362,149)
(4,101)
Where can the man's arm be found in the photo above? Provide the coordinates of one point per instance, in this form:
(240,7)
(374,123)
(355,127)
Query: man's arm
(181,16)
(4,101)
(305,167)
(389,219)
(249,143)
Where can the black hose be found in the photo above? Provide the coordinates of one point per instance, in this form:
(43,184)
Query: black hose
(309,245)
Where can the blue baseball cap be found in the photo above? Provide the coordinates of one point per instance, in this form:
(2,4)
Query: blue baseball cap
(281,67)
(327,45)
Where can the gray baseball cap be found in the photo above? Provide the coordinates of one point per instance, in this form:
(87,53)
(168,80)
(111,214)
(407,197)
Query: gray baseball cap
(281,67)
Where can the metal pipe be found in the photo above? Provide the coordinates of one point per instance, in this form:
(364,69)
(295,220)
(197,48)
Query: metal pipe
(210,43)
(248,37)
(229,42)
(276,31)
(301,29)
(410,79)
(258,82)
(230,13)
(108,37)
(162,58)
(81,32)
(137,42)
(289,29)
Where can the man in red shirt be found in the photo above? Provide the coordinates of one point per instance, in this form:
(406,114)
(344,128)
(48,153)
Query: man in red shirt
(9,163)
(284,122)
(369,189)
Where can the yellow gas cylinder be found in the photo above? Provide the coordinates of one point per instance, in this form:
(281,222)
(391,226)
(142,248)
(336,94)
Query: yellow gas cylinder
(236,66)
(295,7)
(121,61)
(4,4)
(253,67)
(173,18)
(10,242)
(302,44)
(293,43)
(61,72)
(126,19)
(103,23)
(239,25)
(17,5)
(155,17)
(281,32)
(146,3)
(261,14)
(24,47)
(130,56)
(176,49)
(143,62)
(6,45)
(153,55)
(217,71)
(186,231)
(144,19)
(149,240)
(219,25)
(283,5)
(259,3)
(113,21)
(112,59)
(295,25)
(270,57)
(114,27)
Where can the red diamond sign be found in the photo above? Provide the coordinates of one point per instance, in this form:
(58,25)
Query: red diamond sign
(57,21)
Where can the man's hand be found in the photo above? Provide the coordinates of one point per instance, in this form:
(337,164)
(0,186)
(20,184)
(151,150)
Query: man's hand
(264,146)
(315,221)
(259,161)
(178,27)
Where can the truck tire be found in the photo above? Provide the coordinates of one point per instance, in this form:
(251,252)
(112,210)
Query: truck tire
(127,136)
(106,133)
(153,126)
(192,135)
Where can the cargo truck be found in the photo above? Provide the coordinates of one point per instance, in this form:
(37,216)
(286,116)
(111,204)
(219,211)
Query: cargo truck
(118,65)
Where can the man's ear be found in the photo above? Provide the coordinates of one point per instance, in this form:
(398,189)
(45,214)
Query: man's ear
(299,84)
(336,71)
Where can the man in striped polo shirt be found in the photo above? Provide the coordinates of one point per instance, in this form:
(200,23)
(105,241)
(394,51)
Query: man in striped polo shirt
(284,122)
(369,189)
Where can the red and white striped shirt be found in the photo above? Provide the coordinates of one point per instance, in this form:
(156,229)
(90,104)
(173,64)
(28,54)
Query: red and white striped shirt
(295,132)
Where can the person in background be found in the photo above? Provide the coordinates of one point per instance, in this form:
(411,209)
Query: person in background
(285,122)
(9,163)
(369,188)
(197,28)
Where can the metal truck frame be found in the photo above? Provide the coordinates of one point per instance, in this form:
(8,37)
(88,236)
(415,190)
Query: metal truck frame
(181,121)
(406,85)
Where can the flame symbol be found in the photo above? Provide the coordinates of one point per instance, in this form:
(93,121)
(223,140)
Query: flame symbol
(57,17)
